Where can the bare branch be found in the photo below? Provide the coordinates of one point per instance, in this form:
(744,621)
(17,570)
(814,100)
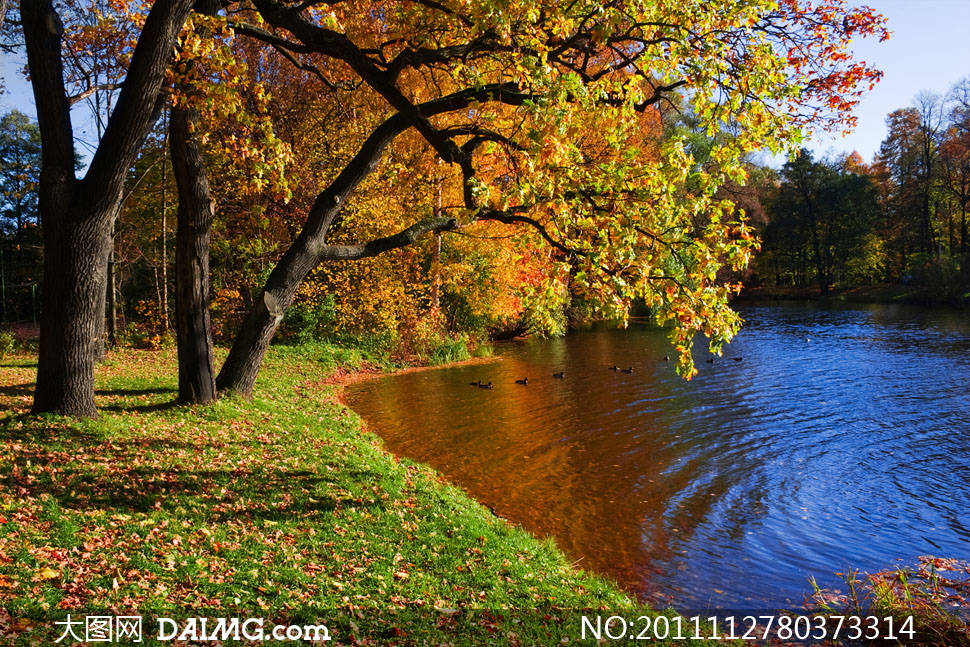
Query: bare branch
(381,245)
(109,87)
(509,217)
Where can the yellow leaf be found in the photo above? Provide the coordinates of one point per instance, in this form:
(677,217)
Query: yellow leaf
(47,573)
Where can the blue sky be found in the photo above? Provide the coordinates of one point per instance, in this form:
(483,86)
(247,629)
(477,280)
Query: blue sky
(929,50)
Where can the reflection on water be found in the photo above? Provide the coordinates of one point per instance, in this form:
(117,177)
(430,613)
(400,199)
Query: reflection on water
(841,439)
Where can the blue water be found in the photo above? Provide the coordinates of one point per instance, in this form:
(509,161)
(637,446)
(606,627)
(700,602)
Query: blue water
(842,439)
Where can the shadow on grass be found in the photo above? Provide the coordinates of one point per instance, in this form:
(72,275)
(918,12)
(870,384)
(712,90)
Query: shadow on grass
(17,390)
(152,391)
(87,440)
(27,389)
(140,408)
(213,495)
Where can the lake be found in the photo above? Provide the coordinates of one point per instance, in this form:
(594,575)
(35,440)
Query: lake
(841,439)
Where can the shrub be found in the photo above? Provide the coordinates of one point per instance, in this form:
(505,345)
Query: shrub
(938,278)
(923,593)
(309,321)
(8,343)
(449,350)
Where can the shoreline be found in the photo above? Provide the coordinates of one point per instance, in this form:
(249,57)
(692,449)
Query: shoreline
(286,503)
(340,378)
(874,294)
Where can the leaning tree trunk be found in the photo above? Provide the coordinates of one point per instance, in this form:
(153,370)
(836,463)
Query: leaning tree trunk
(238,373)
(193,330)
(310,248)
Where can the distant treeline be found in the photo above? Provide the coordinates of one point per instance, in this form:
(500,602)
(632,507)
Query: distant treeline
(841,223)
(827,224)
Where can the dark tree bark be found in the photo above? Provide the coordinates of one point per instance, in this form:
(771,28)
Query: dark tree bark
(238,373)
(77,215)
(112,298)
(193,328)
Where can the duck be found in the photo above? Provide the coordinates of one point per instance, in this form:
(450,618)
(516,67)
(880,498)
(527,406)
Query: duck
(524,380)
(478,383)
(614,368)
(737,359)
(627,370)
(485,386)
(710,361)
(560,374)
(666,358)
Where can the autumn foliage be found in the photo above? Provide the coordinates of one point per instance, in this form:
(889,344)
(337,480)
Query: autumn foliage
(478,165)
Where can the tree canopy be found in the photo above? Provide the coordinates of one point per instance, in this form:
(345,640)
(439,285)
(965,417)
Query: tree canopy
(537,122)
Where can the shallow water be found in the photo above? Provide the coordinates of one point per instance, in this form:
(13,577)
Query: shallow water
(841,439)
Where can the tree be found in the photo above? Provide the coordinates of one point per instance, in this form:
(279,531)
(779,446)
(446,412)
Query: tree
(77,214)
(196,209)
(537,105)
(955,161)
(20,249)
(825,214)
(19,170)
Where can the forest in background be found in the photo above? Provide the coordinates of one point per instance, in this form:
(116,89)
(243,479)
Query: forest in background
(417,177)
(901,219)
(829,223)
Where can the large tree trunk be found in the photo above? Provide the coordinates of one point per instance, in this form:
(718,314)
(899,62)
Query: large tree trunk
(193,330)
(75,263)
(77,215)
(193,327)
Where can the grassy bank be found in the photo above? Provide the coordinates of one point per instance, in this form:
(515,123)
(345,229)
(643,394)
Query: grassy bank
(284,507)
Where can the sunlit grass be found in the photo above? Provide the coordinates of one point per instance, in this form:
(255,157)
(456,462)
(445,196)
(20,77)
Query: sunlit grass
(278,507)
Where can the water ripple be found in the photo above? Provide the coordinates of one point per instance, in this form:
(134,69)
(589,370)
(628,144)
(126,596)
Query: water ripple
(841,439)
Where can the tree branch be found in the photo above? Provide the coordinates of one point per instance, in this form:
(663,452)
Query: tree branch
(329,201)
(509,218)
(91,90)
(339,46)
(139,100)
(43,31)
(381,245)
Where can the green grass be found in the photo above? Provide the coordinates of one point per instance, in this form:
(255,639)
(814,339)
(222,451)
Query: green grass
(283,507)
(928,600)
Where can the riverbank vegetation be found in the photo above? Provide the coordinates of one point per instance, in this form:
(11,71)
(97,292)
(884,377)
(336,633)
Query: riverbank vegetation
(933,594)
(282,507)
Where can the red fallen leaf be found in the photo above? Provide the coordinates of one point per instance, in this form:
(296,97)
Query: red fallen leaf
(3,520)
